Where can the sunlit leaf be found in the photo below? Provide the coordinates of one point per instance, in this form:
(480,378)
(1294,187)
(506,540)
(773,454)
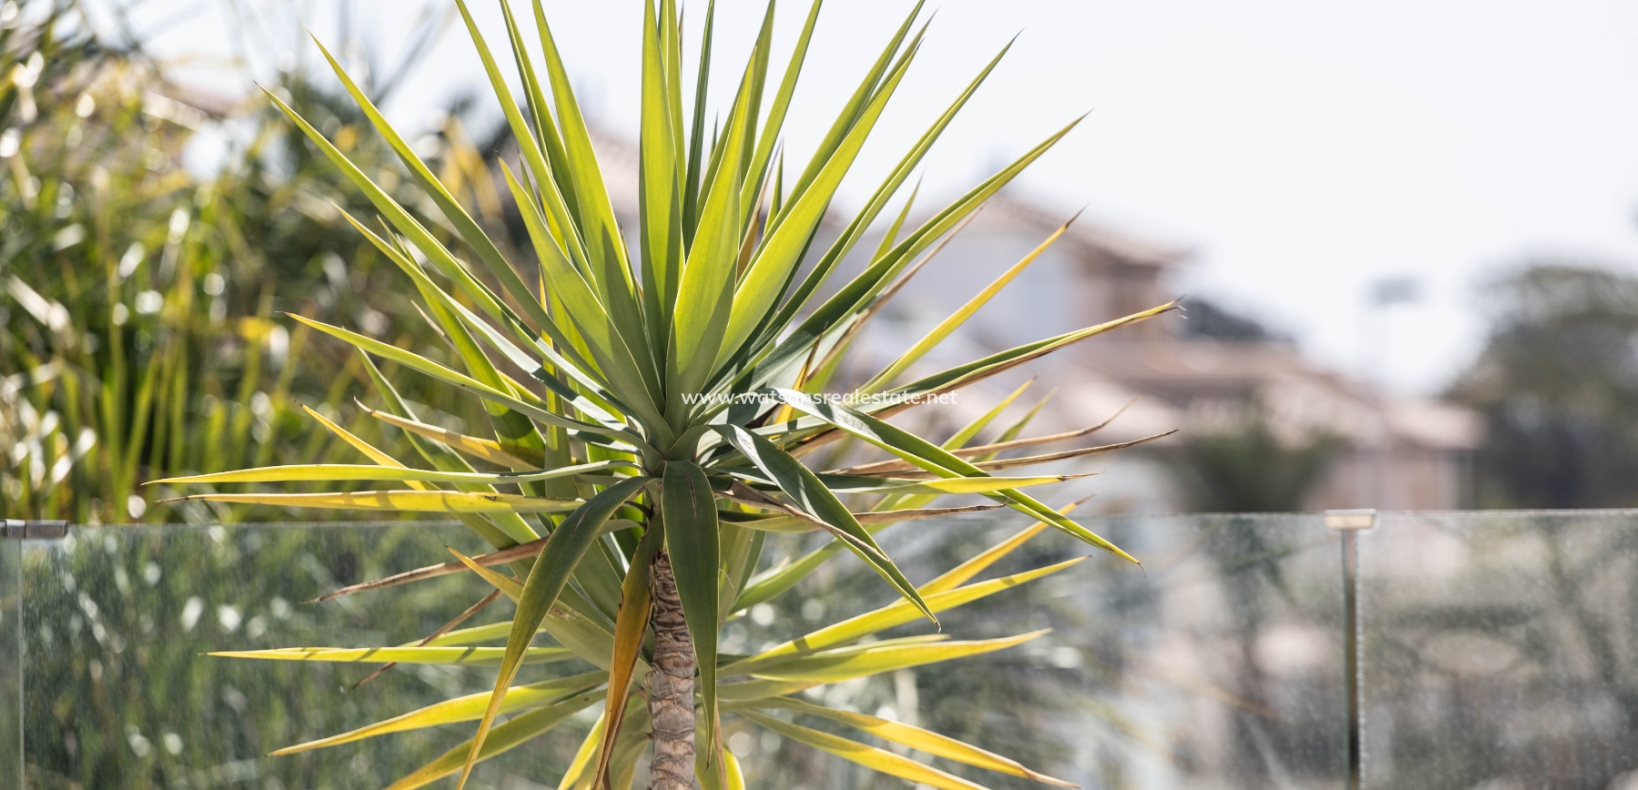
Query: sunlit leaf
(895,614)
(402,501)
(867,756)
(465,708)
(476,656)
(915,738)
(938,333)
(505,737)
(338,472)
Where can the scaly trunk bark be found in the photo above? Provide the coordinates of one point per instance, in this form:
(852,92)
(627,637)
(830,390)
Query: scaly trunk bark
(670,685)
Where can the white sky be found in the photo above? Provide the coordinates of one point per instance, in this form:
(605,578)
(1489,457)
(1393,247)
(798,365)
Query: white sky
(1303,149)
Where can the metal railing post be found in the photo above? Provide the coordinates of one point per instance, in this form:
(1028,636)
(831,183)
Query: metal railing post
(1349,523)
(12,535)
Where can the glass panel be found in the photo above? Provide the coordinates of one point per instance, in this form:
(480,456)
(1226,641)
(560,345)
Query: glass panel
(1500,650)
(11,665)
(121,694)
(1218,667)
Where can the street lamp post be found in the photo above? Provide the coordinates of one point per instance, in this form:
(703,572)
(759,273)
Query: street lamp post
(1381,295)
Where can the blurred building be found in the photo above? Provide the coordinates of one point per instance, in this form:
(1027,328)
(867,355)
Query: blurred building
(1204,372)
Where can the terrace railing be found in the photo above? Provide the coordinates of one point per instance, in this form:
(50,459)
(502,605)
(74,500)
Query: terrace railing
(1491,650)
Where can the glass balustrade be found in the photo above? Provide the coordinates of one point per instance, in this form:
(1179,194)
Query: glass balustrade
(1500,650)
(1494,650)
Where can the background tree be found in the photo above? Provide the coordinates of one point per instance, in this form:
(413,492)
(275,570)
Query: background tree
(1557,383)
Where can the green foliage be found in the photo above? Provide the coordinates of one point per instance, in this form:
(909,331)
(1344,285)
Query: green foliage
(138,300)
(1557,383)
(686,358)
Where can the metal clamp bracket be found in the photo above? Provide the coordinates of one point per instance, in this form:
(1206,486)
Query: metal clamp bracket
(33,530)
(1350,519)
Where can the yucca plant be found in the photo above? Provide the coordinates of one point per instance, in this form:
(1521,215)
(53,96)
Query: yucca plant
(651,401)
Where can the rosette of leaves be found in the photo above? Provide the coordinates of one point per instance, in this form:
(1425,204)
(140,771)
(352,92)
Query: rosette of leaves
(651,403)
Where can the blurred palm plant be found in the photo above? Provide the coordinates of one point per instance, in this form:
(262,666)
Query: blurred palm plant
(649,404)
(136,297)
(1248,467)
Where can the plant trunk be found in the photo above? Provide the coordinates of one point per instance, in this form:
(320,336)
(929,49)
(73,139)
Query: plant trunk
(671,685)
